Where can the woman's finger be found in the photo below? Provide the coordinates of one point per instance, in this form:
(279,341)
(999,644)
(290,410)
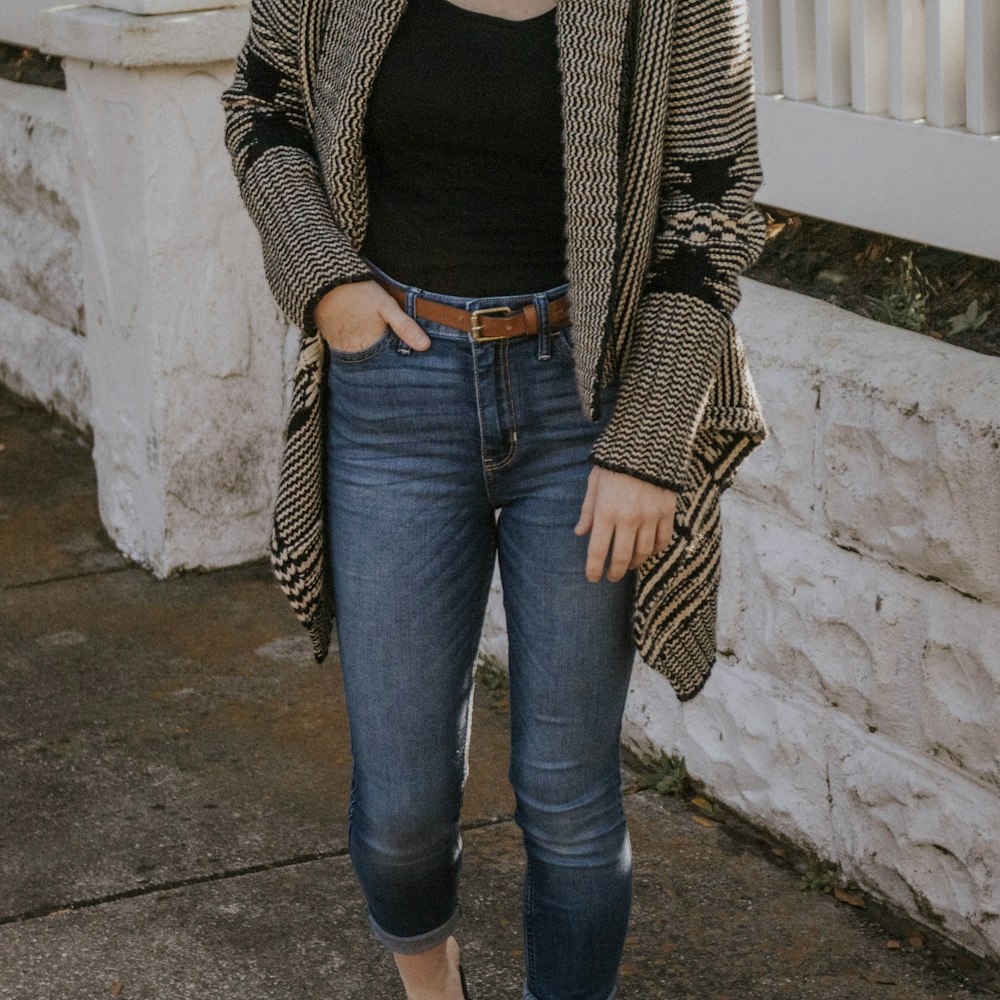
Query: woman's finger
(586,520)
(407,328)
(664,533)
(645,539)
(621,553)
(597,550)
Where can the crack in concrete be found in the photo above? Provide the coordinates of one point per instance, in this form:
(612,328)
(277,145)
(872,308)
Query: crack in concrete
(901,568)
(83,575)
(49,909)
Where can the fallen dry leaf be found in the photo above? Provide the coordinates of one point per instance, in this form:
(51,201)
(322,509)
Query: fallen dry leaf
(916,939)
(845,896)
(779,851)
(702,803)
(116,987)
(893,943)
(704,820)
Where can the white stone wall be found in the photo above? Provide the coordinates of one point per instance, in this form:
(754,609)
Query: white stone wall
(855,704)
(185,346)
(117,199)
(41,279)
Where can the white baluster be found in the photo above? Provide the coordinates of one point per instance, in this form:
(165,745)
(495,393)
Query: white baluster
(982,61)
(833,53)
(870,56)
(798,49)
(907,59)
(765,31)
(945,21)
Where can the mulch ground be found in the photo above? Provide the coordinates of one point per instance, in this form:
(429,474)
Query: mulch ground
(941,293)
(31,66)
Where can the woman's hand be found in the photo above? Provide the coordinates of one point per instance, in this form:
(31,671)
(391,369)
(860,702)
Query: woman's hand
(637,515)
(351,317)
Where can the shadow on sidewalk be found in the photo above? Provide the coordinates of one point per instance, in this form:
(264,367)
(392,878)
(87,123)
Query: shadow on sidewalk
(175,771)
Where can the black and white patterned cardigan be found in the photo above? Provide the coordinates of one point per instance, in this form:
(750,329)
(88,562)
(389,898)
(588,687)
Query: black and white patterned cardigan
(660,154)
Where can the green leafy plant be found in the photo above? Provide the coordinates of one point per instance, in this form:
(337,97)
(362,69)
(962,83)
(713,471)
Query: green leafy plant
(490,672)
(906,302)
(971,319)
(665,774)
(818,876)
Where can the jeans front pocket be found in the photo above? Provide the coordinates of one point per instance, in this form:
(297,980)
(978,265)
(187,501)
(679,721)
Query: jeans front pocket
(561,342)
(365,353)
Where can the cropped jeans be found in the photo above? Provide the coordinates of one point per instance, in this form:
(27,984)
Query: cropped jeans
(438,463)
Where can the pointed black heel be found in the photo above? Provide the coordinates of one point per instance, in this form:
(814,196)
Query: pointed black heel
(465,989)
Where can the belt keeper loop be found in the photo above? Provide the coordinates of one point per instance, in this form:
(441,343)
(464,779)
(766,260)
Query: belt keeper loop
(411,311)
(544,345)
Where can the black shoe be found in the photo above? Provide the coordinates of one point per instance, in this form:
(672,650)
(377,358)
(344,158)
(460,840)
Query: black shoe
(465,989)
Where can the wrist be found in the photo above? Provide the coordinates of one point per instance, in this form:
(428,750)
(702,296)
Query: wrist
(333,297)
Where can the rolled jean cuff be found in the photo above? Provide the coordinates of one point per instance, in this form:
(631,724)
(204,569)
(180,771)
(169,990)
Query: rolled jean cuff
(422,942)
(528,995)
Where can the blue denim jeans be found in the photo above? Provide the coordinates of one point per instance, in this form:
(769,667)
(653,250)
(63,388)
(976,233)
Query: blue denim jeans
(424,449)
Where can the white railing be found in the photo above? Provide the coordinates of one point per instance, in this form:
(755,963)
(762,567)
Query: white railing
(883,114)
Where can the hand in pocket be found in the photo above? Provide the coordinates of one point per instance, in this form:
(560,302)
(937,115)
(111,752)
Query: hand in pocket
(352,317)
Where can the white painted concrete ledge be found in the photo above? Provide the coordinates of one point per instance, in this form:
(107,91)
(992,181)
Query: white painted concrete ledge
(855,703)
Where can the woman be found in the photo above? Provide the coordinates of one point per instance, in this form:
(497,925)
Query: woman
(510,233)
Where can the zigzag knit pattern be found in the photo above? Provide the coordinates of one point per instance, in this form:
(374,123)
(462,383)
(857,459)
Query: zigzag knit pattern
(661,169)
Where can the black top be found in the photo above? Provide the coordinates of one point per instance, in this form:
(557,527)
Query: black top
(463,143)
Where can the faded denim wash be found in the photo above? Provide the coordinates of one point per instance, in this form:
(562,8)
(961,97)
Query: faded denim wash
(439,462)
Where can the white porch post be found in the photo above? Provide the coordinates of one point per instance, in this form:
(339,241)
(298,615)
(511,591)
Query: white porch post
(184,345)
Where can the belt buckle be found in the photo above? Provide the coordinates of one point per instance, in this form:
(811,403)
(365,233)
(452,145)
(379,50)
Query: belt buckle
(477,324)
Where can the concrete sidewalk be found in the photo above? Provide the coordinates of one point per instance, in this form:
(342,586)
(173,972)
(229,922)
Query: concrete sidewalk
(174,772)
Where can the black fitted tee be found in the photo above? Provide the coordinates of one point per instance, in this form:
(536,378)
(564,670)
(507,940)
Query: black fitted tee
(463,144)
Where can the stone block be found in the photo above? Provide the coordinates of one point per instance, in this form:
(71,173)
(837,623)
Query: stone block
(35,159)
(121,38)
(186,350)
(908,461)
(758,747)
(45,363)
(960,684)
(40,268)
(832,626)
(924,836)
(914,485)
(41,279)
(911,659)
(780,472)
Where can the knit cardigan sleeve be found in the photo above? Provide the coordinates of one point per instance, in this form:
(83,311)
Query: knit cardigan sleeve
(269,137)
(708,232)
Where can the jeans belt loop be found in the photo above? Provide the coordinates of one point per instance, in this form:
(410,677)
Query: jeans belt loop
(411,311)
(544,340)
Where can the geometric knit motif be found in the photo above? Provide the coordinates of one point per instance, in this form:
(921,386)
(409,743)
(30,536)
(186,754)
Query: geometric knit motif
(660,154)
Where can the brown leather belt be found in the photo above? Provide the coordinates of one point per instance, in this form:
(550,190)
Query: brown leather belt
(491,323)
